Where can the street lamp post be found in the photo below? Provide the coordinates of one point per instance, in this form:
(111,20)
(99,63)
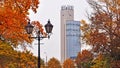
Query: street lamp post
(48,28)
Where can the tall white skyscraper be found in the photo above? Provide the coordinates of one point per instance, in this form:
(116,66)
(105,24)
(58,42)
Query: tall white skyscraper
(67,21)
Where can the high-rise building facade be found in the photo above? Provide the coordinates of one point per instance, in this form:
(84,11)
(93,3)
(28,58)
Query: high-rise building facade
(72,38)
(67,18)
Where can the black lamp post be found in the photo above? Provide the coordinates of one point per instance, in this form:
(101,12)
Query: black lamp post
(48,28)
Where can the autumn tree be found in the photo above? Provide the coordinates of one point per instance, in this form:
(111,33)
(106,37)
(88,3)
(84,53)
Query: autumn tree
(68,63)
(14,18)
(101,61)
(103,31)
(26,59)
(10,58)
(6,52)
(84,59)
(54,63)
(115,64)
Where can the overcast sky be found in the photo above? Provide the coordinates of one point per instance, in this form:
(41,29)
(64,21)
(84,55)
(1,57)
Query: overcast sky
(50,9)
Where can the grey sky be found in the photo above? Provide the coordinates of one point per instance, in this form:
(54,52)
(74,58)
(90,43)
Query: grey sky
(50,9)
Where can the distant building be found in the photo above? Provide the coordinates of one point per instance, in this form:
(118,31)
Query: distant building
(72,38)
(70,34)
